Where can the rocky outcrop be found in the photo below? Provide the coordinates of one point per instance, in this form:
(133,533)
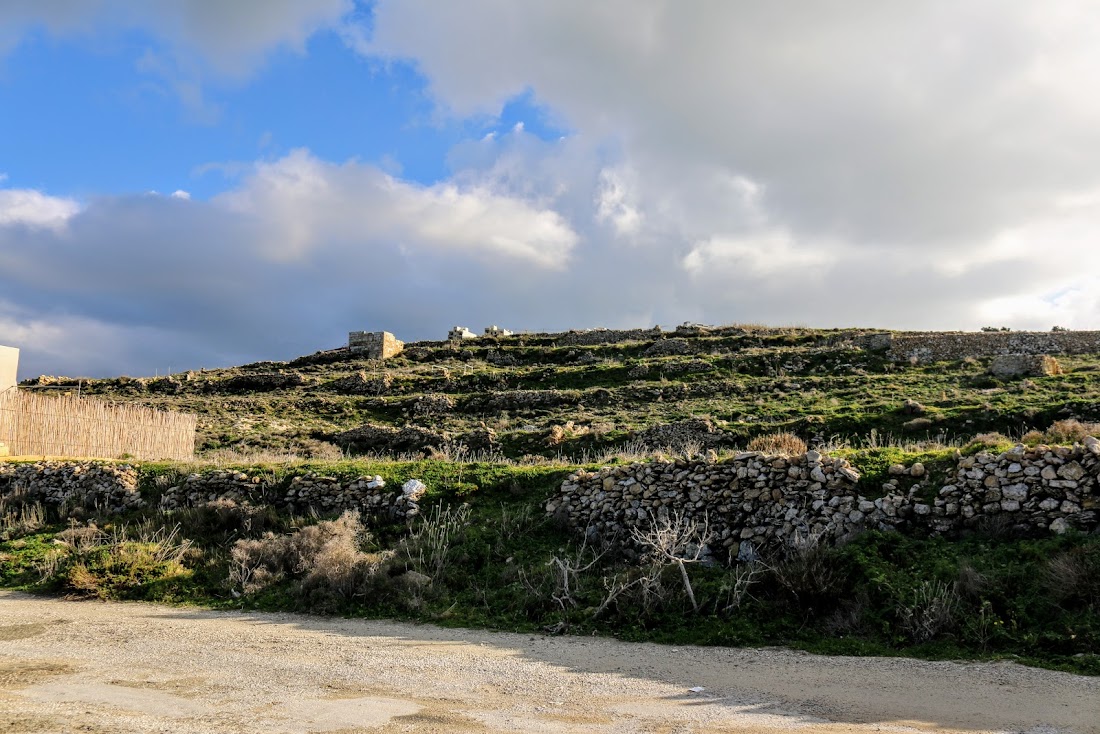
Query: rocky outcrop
(361,384)
(257,382)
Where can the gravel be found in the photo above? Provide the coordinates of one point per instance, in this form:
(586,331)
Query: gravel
(128,667)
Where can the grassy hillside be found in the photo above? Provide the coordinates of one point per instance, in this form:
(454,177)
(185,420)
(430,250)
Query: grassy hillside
(538,395)
(492,426)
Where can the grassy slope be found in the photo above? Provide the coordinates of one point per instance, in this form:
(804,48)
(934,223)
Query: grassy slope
(746,381)
(1034,598)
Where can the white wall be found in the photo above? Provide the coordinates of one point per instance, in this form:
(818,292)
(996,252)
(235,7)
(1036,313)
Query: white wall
(9,365)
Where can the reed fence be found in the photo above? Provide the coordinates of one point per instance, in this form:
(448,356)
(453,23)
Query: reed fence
(68,425)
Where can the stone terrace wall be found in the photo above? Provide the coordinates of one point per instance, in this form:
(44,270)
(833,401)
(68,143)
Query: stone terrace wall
(113,489)
(772,500)
(930,347)
(606,336)
(71,485)
(753,497)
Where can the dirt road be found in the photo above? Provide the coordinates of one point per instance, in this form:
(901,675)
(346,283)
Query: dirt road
(95,667)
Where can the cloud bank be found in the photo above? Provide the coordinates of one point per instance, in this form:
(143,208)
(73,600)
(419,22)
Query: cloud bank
(844,163)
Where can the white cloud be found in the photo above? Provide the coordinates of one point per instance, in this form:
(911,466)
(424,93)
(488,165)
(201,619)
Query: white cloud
(310,203)
(615,201)
(936,158)
(32,208)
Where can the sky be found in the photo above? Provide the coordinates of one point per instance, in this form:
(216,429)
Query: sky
(191,183)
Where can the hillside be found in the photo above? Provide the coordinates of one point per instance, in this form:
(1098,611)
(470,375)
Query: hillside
(497,482)
(582,395)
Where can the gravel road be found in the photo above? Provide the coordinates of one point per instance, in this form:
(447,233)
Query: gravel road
(122,667)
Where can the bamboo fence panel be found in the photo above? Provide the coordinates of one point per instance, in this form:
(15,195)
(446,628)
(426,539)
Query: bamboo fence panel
(68,425)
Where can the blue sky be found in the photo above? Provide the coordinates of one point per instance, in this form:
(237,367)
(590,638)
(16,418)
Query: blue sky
(187,183)
(102,117)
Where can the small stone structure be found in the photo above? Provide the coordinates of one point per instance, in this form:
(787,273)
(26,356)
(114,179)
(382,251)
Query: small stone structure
(1024,365)
(9,367)
(495,330)
(375,344)
(458,333)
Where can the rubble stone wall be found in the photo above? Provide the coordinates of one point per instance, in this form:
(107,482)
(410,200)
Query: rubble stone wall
(70,485)
(765,500)
(113,489)
(930,347)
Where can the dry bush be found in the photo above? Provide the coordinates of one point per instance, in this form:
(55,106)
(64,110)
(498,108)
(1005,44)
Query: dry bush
(971,582)
(929,612)
(1033,438)
(676,540)
(568,431)
(991,439)
(808,572)
(223,520)
(20,521)
(325,556)
(783,443)
(1071,430)
(1074,576)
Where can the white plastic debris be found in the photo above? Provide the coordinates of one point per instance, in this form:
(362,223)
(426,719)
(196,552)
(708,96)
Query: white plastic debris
(697,689)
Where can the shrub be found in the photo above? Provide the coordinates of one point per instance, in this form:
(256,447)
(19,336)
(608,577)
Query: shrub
(1074,577)
(787,444)
(809,573)
(929,612)
(1071,430)
(326,557)
(91,562)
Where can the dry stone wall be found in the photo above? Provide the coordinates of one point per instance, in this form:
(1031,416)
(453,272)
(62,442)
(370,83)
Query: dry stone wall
(371,496)
(755,500)
(82,487)
(751,498)
(930,347)
(71,485)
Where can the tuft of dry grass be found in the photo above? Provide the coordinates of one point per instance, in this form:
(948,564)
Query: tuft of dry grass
(783,443)
(1071,430)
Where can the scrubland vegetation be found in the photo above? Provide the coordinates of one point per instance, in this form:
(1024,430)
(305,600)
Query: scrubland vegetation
(492,428)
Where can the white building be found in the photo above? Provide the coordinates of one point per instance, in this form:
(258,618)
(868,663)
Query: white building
(495,330)
(458,333)
(9,366)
